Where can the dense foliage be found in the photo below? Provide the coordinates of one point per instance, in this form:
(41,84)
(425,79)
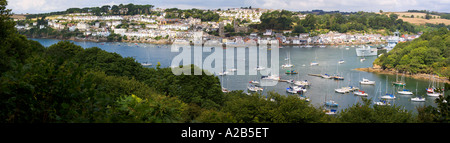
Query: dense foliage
(361,21)
(129,9)
(427,54)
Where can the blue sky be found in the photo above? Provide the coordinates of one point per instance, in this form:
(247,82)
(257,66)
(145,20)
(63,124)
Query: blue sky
(42,6)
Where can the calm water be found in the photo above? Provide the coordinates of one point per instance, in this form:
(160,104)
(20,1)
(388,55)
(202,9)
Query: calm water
(320,90)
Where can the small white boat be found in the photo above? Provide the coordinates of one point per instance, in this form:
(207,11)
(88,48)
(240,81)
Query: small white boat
(405,92)
(314,63)
(330,111)
(326,76)
(224,90)
(232,70)
(287,66)
(254,82)
(299,88)
(294,90)
(146,64)
(271,77)
(418,99)
(382,103)
(301,83)
(367,82)
(341,61)
(388,96)
(341,90)
(260,68)
(253,88)
(223,73)
(360,93)
(301,97)
(331,103)
(362,60)
(434,94)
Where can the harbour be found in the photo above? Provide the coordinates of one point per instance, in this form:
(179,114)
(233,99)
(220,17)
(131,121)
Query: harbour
(321,89)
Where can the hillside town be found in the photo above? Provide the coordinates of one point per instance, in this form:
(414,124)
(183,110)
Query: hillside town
(160,29)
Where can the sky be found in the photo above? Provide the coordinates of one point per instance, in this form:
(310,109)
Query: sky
(44,6)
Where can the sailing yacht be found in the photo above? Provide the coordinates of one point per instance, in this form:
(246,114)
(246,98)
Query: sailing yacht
(147,63)
(418,98)
(405,92)
(314,63)
(401,82)
(381,102)
(342,58)
(288,64)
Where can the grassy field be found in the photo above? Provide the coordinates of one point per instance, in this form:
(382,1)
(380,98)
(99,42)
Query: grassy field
(421,19)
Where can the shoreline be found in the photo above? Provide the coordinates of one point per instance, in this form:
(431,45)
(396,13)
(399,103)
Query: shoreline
(167,41)
(415,76)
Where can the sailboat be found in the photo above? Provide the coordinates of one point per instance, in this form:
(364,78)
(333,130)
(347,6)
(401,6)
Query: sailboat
(342,58)
(431,91)
(337,77)
(288,64)
(402,80)
(330,102)
(381,102)
(314,63)
(418,98)
(147,63)
(387,96)
(363,58)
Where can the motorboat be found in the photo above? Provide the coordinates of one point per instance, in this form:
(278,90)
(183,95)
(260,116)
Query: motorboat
(367,82)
